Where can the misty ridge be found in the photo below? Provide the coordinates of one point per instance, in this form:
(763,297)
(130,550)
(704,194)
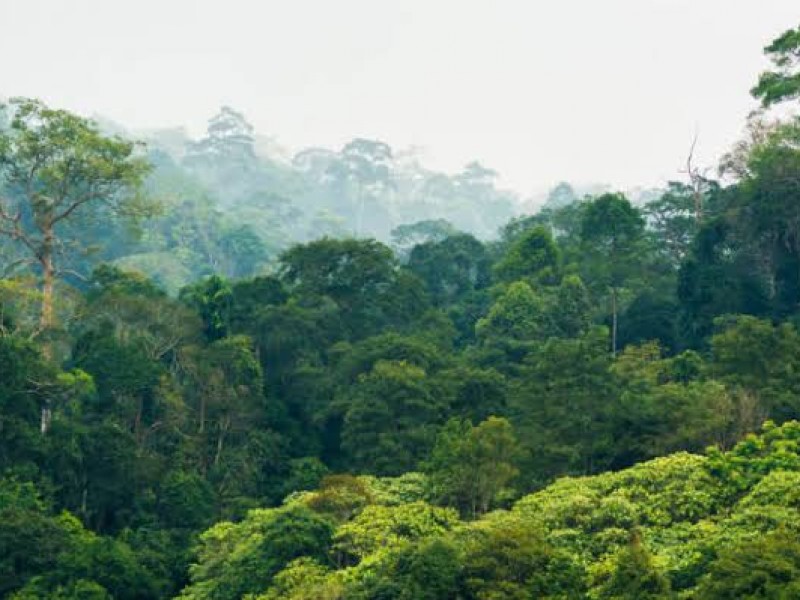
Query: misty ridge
(233,199)
(230,371)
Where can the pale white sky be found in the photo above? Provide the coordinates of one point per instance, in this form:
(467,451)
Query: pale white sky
(582,90)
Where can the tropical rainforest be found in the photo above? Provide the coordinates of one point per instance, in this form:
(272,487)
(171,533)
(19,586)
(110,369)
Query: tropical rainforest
(225,375)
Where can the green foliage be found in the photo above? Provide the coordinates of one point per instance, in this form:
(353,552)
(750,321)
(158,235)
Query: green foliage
(570,313)
(20,401)
(612,232)
(765,567)
(350,420)
(411,235)
(428,570)
(783,83)
(56,168)
(517,315)
(389,418)
(304,579)
(507,558)
(341,496)
(451,267)
(633,575)
(532,256)
(470,466)
(212,300)
(241,558)
(43,555)
(378,527)
(673,220)
(360,276)
(561,402)
(760,358)
(186,500)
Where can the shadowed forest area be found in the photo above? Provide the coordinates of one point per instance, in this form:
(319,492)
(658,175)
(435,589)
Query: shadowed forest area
(230,373)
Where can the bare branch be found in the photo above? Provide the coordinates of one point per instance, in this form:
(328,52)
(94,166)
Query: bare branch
(14,230)
(8,269)
(86,198)
(72,272)
(697,179)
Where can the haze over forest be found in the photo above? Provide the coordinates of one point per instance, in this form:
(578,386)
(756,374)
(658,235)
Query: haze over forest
(579,91)
(354,371)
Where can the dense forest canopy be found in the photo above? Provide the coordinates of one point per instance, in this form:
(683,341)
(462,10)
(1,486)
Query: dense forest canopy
(228,375)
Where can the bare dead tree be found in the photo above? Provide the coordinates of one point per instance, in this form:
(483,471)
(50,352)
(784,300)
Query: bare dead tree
(698,179)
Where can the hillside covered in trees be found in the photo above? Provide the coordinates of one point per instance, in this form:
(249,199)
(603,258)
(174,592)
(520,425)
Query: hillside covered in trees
(224,376)
(229,203)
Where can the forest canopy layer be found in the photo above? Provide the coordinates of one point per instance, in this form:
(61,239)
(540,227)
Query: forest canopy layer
(224,375)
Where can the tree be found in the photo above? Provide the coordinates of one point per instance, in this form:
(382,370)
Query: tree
(378,526)
(611,231)
(229,138)
(673,221)
(634,575)
(341,496)
(782,84)
(510,558)
(408,235)
(389,418)
(471,466)
(428,570)
(185,500)
(227,381)
(561,402)
(42,554)
(476,185)
(765,567)
(516,316)
(650,316)
(236,559)
(451,267)
(560,196)
(54,166)
(570,311)
(717,278)
(27,385)
(243,250)
(126,375)
(762,360)
(475,393)
(766,217)
(367,165)
(29,540)
(304,579)
(251,295)
(212,299)
(134,311)
(361,277)
(664,405)
(532,256)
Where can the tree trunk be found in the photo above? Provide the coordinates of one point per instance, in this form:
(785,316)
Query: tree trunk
(614,321)
(137,422)
(46,417)
(46,319)
(224,426)
(202,425)
(85,501)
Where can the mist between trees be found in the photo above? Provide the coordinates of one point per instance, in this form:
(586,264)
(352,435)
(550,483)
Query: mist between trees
(226,374)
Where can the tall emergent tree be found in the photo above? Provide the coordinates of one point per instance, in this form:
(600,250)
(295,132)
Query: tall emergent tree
(55,167)
(611,232)
(783,82)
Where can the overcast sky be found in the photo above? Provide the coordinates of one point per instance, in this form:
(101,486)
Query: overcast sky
(581,90)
